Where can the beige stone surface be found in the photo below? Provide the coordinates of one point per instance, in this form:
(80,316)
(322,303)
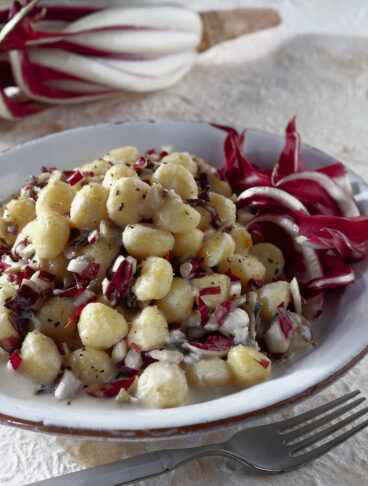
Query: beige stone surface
(315,66)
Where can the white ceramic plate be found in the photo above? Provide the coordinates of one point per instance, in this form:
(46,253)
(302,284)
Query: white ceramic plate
(341,332)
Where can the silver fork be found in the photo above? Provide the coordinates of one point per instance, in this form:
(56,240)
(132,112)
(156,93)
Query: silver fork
(274,448)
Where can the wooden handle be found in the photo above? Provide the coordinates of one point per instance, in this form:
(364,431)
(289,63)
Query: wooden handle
(222,25)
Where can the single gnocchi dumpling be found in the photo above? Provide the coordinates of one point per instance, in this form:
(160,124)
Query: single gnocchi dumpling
(162,385)
(41,360)
(126,200)
(92,365)
(187,244)
(20,211)
(243,240)
(178,178)
(182,158)
(145,240)
(127,154)
(248,365)
(175,215)
(49,234)
(155,279)
(149,330)
(56,197)
(213,372)
(89,206)
(100,326)
(217,247)
(98,167)
(178,303)
(271,296)
(54,316)
(243,267)
(116,172)
(271,257)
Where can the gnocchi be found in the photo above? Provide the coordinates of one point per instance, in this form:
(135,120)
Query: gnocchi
(162,385)
(149,329)
(155,279)
(138,265)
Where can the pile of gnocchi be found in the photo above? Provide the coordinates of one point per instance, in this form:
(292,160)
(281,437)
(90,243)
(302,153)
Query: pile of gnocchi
(133,278)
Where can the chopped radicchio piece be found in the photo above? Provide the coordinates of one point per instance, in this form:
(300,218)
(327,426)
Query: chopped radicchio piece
(109,390)
(15,359)
(119,284)
(215,343)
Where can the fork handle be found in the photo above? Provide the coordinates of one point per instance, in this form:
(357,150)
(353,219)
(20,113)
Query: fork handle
(134,468)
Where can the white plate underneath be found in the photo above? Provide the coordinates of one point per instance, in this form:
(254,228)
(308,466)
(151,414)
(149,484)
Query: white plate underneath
(342,333)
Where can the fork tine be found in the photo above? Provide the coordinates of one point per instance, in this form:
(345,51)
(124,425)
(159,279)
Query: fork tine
(323,420)
(299,419)
(319,451)
(328,431)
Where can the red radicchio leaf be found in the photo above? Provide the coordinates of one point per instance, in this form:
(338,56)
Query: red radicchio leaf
(91,270)
(263,362)
(336,273)
(9,344)
(119,284)
(214,343)
(215,218)
(109,390)
(339,175)
(15,359)
(240,173)
(270,199)
(88,173)
(319,193)
(222,310)
(345,235)
(286,324)
(290,160)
